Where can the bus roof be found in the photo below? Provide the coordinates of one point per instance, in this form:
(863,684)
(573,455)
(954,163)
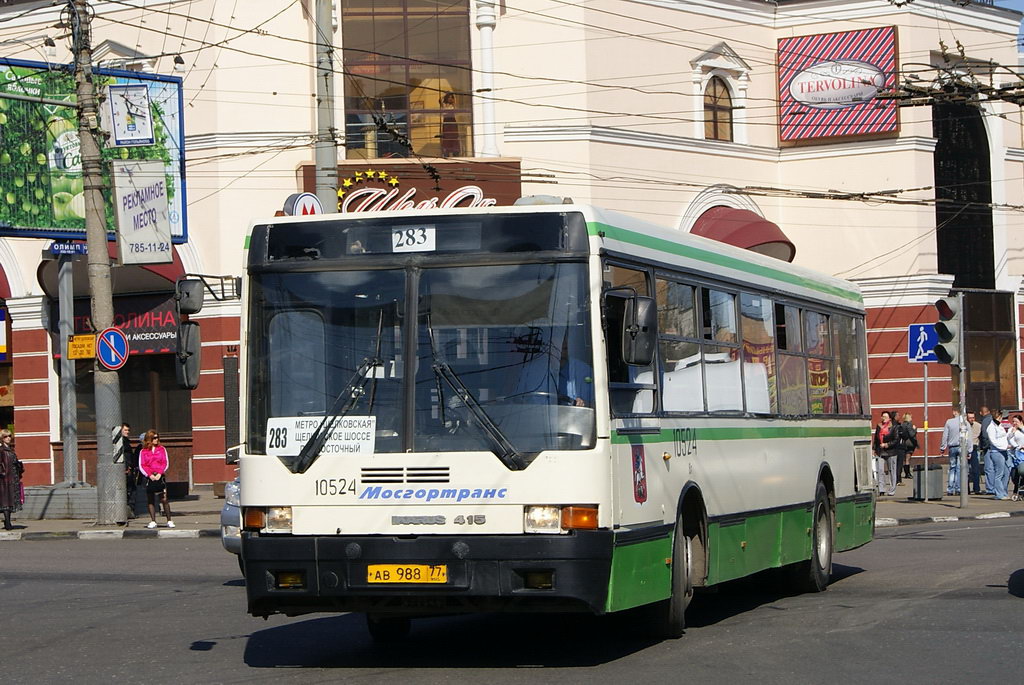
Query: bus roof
(629,236)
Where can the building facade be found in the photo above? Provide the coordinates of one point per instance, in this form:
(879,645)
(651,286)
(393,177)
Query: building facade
(871,141)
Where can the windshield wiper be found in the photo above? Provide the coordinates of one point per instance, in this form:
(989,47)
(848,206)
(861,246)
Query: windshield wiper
(342,405)
(354,389)
(504,449)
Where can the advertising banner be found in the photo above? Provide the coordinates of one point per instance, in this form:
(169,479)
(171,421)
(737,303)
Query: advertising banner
(828,84)
(148,322)
(41,186)
(140,205)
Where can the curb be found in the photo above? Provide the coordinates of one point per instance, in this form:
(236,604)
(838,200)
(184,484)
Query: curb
(154,534)
(893,522)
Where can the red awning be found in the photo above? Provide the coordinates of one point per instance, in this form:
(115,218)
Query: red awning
(743,228)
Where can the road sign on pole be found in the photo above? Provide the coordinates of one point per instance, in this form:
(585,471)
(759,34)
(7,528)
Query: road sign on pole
(921,342)
(112,348)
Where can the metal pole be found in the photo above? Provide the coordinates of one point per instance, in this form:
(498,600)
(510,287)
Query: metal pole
(110,484)
(925,478)
(326,142)
(68,395)
(964,443)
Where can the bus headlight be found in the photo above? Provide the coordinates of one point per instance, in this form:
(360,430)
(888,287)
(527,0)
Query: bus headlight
(542,519)
(549,518)
(279,519)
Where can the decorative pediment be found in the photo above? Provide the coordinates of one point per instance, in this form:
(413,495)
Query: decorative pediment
(721,56)
(114,55)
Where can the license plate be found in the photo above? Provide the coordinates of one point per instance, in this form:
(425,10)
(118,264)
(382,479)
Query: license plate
(407,573)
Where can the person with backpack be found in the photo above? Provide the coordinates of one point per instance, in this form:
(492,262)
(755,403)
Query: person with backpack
(884,446)
(908,445)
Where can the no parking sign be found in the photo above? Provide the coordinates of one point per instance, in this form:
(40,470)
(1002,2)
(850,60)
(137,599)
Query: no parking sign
(112,348)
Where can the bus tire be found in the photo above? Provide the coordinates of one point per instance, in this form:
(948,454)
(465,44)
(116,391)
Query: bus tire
(387,628)
(814,574)
(670,614)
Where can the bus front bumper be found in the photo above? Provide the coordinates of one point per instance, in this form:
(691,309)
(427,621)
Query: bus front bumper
(296,575)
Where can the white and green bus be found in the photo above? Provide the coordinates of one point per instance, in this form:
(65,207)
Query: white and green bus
(539,408)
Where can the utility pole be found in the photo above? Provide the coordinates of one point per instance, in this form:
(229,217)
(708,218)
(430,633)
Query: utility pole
(326,141)
(110,484)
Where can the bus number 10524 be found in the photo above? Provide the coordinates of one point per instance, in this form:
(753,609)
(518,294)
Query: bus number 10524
(335,486)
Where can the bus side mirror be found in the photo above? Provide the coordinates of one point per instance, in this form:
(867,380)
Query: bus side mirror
(231,454)
(639,331)
(187,356)
(188,295)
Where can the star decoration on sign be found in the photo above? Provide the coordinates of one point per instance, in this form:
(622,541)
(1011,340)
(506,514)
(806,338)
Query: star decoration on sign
(358,177)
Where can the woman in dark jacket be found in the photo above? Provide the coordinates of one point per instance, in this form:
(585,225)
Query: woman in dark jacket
(908,445)
(884,446)
(10,478)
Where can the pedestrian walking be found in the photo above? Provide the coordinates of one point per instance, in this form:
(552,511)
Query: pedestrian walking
(996,472)
(884,446)
(950,444)
(12,494)
(153,465)
(907,445)
(1016,439)
(973,456)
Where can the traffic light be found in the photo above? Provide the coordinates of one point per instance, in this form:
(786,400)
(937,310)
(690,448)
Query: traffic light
(949,329)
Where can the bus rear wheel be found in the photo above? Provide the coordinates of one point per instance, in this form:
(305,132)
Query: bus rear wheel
(387,628)
(814,574)
(670,615)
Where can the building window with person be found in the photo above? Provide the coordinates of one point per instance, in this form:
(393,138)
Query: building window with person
(407,78)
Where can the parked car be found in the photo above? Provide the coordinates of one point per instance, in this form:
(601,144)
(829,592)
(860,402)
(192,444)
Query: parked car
(231,521)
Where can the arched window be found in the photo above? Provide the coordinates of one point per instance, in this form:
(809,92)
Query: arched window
(717,110)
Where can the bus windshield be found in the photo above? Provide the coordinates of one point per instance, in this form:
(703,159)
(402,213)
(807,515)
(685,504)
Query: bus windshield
(501,353)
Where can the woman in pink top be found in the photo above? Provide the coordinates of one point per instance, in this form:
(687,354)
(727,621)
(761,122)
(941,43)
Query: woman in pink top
(153,464)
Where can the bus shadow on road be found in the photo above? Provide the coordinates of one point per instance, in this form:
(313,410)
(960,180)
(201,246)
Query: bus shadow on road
(470,641)
(502,640)
(746,594)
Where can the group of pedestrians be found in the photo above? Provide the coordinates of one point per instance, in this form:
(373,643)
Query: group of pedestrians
(894,443)
(991,447)
(146,467)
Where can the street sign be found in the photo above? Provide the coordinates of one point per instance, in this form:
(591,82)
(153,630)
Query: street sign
(921,342)
(82,347)
(66,248)
(302,204)
(112,348)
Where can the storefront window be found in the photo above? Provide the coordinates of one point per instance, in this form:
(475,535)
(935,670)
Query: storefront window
(150,396)
(407,85)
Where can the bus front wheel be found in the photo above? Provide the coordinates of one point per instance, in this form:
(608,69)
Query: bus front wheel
(814,574)
(670,614)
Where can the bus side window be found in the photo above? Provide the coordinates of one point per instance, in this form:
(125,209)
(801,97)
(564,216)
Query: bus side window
(820,376)
(631,388)
(848,360)
(792,368)
(759,381)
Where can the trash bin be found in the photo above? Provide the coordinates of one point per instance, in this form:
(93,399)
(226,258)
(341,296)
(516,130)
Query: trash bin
(936,486)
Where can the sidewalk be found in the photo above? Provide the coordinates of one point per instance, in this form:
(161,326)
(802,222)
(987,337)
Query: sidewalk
(199,516)
(900,510)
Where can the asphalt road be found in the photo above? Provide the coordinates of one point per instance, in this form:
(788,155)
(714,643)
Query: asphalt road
(932,604)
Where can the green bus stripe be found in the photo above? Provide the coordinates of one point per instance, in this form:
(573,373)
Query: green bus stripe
(748,433)
(690,252)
